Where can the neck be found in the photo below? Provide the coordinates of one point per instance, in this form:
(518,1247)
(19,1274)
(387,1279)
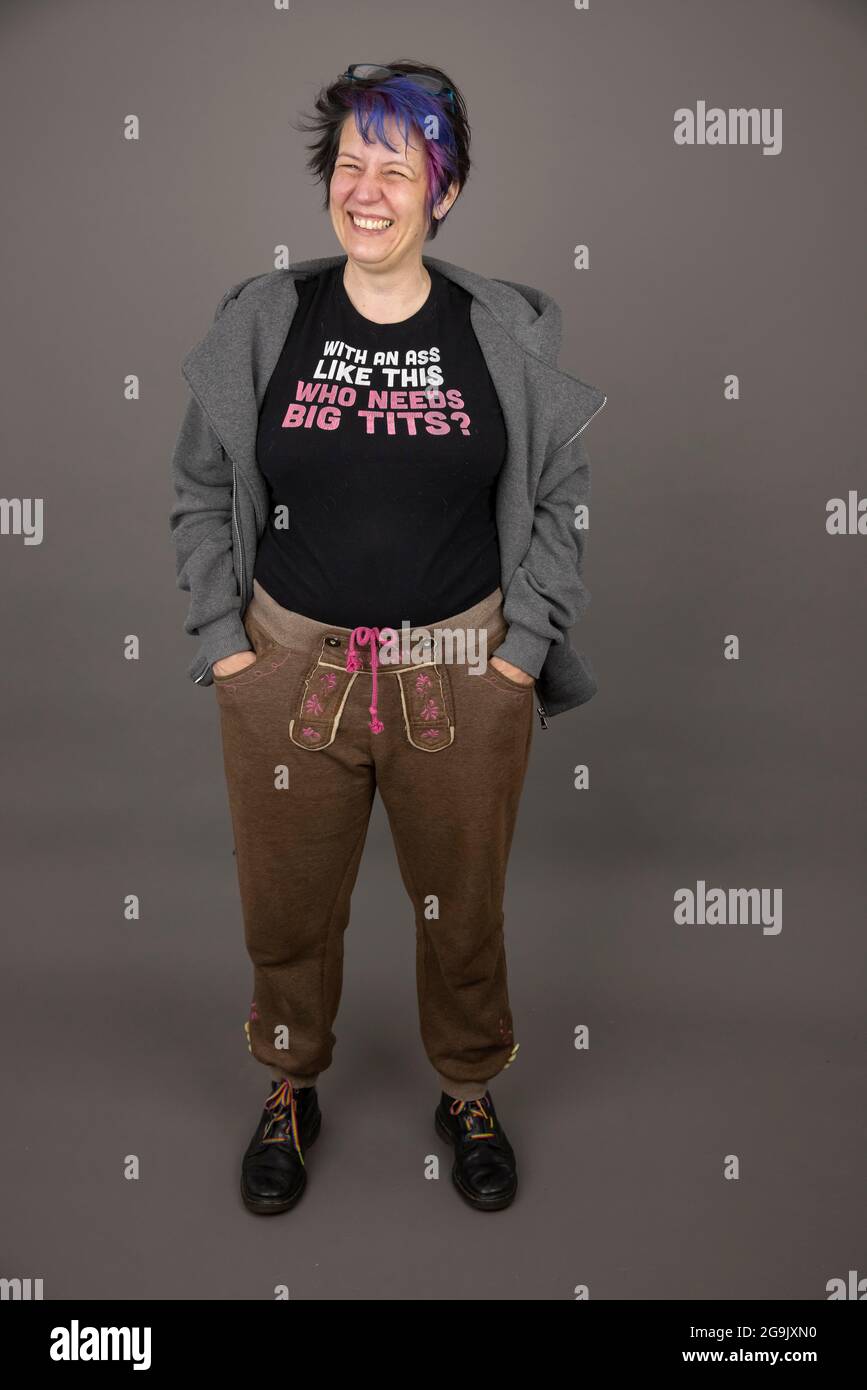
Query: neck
(387,296)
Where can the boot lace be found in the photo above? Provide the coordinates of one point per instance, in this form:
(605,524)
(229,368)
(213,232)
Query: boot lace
(477,1119)
(282,1124)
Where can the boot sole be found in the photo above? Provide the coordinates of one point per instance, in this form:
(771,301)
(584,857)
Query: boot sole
(478,1203)
(262,1206)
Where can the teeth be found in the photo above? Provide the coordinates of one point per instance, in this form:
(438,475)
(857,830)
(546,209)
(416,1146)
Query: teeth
(371,224)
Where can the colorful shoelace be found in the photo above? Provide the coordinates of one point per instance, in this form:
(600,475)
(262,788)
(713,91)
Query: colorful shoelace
(281,1103)
(477,1110)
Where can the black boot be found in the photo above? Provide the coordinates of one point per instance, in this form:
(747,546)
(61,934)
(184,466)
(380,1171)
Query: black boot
(484,1169)
(273,1173)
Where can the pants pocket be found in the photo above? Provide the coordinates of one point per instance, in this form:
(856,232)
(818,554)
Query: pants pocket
(428,710)
(504,682)
(324,692)
(269,654)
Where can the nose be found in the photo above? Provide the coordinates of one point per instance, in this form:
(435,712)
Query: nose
(368,189)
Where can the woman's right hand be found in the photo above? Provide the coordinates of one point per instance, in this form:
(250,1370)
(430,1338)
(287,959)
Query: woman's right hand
(228,665)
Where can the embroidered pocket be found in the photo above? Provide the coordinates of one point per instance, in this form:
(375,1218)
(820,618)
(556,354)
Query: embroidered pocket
(320,705)
(427,713)
(269,654)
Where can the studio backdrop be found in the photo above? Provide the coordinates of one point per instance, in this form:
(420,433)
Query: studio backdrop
(685,903)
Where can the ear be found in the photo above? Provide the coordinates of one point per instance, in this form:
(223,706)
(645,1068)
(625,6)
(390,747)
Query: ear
(441,208)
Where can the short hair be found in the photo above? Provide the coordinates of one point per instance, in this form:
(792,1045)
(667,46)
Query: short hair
(411,107)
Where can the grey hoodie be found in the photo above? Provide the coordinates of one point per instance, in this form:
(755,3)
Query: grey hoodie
(221,498)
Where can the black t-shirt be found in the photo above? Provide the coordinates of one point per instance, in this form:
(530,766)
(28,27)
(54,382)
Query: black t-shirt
(381,445)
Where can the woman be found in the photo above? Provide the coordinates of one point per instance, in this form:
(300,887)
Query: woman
(380,445)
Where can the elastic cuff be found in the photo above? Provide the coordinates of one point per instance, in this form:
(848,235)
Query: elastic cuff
(297,1081)
(524,649)
(463,1090)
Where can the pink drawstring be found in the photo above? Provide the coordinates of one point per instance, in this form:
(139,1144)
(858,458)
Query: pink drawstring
(366,636)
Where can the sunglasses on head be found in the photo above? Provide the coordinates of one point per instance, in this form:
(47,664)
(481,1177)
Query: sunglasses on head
(375,72)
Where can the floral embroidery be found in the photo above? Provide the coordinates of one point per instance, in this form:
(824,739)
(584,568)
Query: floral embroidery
(312,734)
(512,1055)
(313,705)
(426,709)
(506,1035)
(253,1017)
(328,680)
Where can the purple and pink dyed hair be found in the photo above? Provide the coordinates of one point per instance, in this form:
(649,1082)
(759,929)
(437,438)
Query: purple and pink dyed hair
(410,107)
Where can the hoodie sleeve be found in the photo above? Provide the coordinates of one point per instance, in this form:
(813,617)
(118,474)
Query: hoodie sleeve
(201,528)
(546,595)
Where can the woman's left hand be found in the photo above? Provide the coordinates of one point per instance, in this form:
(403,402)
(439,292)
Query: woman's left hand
(513,672)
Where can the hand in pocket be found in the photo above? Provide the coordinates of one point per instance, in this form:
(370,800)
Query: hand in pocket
(514,673)
(231,665)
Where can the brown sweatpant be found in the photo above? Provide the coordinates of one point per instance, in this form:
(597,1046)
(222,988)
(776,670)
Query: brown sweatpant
(302,766)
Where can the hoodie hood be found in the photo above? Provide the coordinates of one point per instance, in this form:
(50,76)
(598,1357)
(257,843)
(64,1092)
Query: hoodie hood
(518,327)
(531,316)
(528,314)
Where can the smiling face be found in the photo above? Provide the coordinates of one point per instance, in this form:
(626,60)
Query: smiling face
(384,189)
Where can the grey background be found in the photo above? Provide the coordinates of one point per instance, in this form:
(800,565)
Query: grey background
(708,518)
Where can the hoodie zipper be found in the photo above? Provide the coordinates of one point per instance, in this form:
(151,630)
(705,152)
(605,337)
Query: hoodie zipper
(235,523)
(540,707)
(584,426)
(241,566)
(242,583)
